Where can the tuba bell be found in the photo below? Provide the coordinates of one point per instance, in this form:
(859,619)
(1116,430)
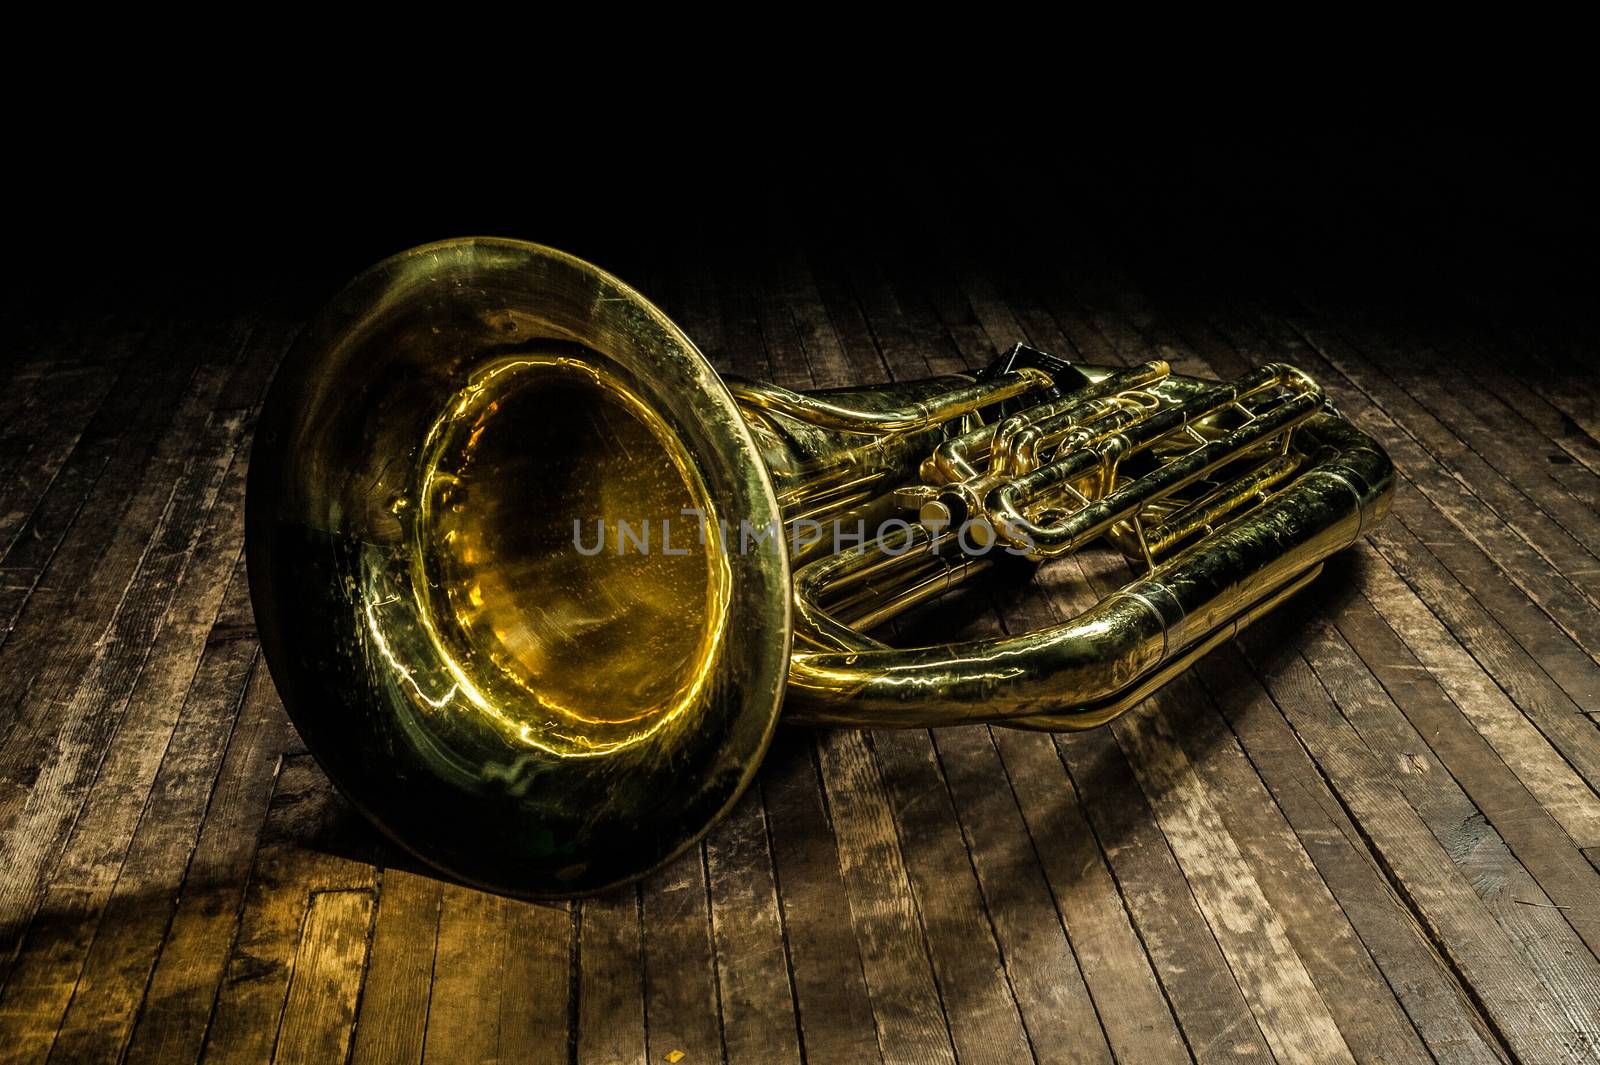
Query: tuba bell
(534,582)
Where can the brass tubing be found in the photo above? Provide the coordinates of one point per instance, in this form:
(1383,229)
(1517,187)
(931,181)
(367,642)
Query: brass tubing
(847,495)
(1119,640)
(1016,453)
(1095,714)
(868,514)
(937,575)
(954,459)
(919,541)
(831,414)
(1007,501)
(1105,441)
(1206,511)
(816,581)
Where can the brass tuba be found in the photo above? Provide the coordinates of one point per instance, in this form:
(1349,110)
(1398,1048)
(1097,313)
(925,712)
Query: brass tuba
(534,581)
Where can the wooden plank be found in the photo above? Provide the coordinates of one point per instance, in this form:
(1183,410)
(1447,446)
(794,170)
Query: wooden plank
(906,355)
(464,1003)
(43,976)
(1036,968)
(698,308)
(320,1012)
(1460,1033)
(1550,851)
(681,1011)
(834,1013)
(1039,964)
(1545,651)
(1541,734)
(974,988)
(754,990)
(195,546)
(34,346)
(1137,1019)
(1289,1010)
(1553,370)
(1508,989)
(147,862)
(1425,985)
(796,290)
(1549,468)
(894,957)
(1366,1013)
(1202,991)
(1540,771)
(501,980)
(1215,1034)
(831,999)
(1483,578)
(1114,962)
(59,737)
(1518,918)
(1540,768)
(934,304)
(905,1000)
(1292,1015)
(177,1003)
(1487,364)
(1559,550)
(392,1023)
(302,850)
(44,359)
(1384,536)
(38,438)
(1043,974)
(1351,982)
(536,982)
(1531,833)
(611,980)
(88,534)
(742,348)
(786,353)
(63,555)
(1414,390)
(1520,561)
(1215,1018)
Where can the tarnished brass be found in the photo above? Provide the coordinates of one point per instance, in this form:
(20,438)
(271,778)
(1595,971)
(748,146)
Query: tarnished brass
(534,582)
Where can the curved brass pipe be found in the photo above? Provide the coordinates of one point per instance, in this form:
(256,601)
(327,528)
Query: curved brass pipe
(1112,646)
(829,412)
(1008,499)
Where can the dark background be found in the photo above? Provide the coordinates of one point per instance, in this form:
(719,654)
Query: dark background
(1412,222)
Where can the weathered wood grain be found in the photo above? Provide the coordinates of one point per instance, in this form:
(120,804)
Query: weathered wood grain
(1370,832)
(320,1010)
(611,1017)
(393,1020)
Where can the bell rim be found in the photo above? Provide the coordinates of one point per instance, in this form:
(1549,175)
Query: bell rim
(264,489)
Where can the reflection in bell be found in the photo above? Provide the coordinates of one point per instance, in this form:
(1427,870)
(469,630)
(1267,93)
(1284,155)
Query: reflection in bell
(614,645)
(534,582)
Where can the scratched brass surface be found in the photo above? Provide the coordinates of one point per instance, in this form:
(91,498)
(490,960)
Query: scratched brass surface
(523,716)
(549,720)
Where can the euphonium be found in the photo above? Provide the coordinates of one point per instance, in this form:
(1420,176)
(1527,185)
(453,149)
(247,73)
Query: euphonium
(533,581)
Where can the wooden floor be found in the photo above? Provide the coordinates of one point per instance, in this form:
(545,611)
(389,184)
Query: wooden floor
(1369,830)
